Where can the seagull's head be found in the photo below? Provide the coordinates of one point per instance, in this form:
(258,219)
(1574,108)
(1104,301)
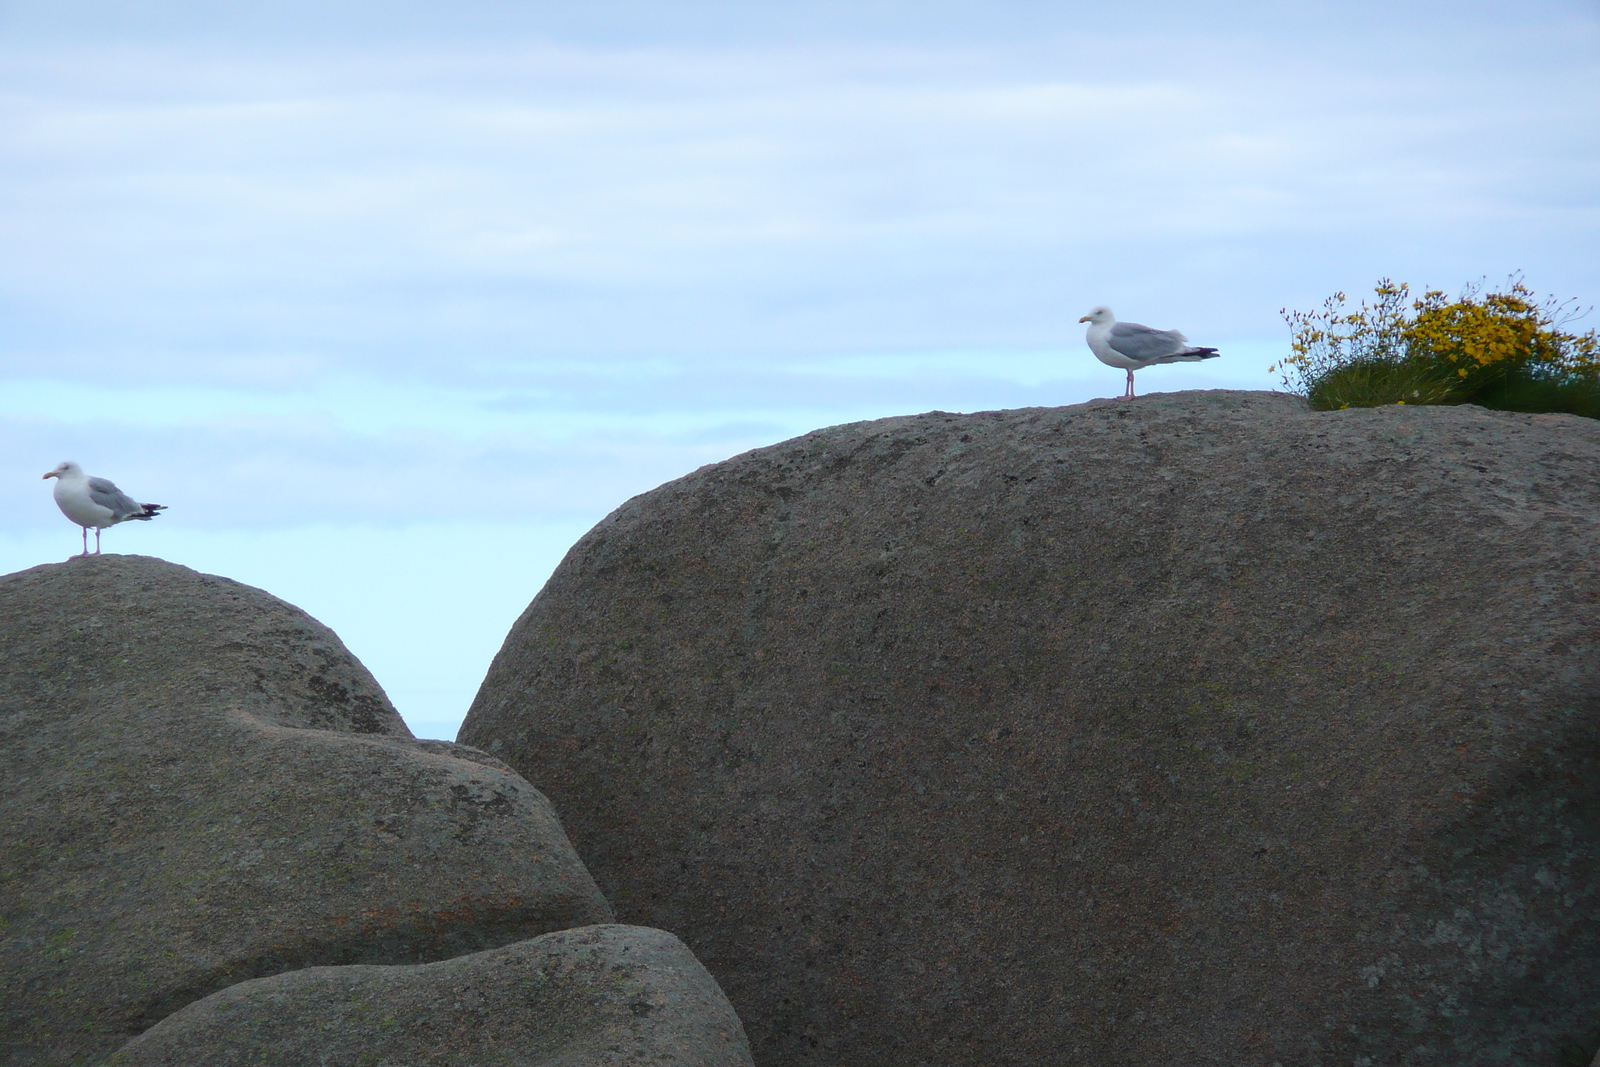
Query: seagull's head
(1099,315)
(63,469)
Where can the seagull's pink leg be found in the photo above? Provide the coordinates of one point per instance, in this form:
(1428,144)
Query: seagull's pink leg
(96,543)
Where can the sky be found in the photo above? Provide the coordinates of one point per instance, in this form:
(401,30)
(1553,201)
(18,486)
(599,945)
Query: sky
(390,302)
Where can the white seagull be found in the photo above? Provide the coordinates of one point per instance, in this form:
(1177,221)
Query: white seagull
(95,502)
(1133,347)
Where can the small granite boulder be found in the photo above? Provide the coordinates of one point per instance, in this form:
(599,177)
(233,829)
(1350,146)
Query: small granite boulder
(598,996)
(1197,729)
(200,785)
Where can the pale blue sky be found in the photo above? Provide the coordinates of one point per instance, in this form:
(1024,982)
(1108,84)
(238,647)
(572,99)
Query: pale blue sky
(389,302)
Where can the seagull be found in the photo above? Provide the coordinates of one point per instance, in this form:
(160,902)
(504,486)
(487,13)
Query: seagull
(1134,347)
(95,502)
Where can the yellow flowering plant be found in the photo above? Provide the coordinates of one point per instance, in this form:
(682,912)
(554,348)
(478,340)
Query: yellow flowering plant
(1504,349)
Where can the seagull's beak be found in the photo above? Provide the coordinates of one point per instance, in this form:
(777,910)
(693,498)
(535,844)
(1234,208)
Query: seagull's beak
(51,474)
(1084,319)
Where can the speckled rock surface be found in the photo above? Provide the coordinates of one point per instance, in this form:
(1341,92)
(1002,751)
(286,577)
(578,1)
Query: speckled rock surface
(598,996)
(199,785)
(1201,729)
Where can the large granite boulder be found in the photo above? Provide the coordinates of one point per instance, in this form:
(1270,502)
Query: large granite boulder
(200,785)
(599,996)
(1197,729)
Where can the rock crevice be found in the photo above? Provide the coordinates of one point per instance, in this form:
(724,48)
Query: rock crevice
(199,786)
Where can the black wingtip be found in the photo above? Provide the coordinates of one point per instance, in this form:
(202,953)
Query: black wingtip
(149,511)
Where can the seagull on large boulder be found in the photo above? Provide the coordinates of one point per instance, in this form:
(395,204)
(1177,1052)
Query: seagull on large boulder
(1133,347)
(95,502)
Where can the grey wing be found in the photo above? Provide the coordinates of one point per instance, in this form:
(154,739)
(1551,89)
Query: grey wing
(107,495)
(1145,344)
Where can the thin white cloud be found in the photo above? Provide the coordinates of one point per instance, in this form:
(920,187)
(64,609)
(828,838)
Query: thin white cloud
(400,209)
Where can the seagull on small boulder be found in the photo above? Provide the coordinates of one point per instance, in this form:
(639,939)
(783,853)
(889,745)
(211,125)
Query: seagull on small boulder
(1133,347)
(95,502)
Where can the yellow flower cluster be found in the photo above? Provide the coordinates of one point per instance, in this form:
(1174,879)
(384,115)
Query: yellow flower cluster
(1437,349)
(1506,327)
